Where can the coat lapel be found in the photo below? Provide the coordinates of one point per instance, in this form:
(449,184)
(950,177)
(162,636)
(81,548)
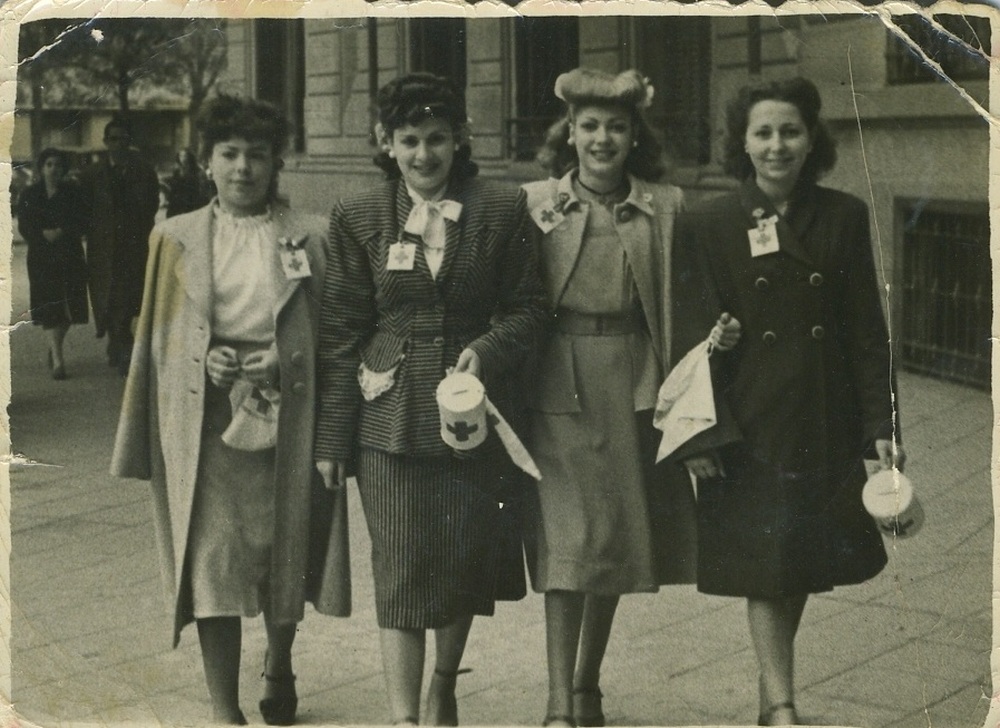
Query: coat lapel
(562,248)
(641,253)
(194,267)
(452,235)
(753,199)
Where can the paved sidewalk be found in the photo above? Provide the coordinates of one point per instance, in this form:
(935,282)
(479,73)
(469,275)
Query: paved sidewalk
(91,639)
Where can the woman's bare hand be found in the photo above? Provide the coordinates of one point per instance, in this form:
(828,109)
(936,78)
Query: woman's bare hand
(222,365)
(726,332)
(468,361)
(704,467)
(890,455)
(261,368)
(333,472)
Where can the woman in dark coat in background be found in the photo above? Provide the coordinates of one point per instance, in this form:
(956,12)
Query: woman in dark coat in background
(50,219)
(807,392)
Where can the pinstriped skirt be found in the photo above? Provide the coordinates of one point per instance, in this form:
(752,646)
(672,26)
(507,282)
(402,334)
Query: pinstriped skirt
(445,532)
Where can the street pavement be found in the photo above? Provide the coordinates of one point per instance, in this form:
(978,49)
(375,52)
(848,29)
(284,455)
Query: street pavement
(91,634)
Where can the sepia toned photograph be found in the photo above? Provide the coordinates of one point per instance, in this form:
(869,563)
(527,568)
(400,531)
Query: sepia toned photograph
(561,365)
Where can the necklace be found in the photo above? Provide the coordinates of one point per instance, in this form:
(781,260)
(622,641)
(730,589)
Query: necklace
(604,198)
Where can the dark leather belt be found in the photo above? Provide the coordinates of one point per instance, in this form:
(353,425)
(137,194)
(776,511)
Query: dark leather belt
(592,324)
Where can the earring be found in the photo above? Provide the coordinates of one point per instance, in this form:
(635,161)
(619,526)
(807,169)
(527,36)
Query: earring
(208,173)
(635,144)
(392,154)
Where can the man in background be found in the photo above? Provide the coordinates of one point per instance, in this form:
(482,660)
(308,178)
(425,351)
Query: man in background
(122,196)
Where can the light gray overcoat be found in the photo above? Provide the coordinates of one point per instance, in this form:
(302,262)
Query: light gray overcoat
(159,432)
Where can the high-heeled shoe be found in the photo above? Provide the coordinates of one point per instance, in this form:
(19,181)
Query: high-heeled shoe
(558,720)
(770,716)
(278,709)
(442,706)
(587,709)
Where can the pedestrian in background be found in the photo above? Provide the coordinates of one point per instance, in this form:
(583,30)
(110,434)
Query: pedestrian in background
(187,188)
(609,521)
(430,270)
(122,195)
(50,217)
(219,410)
(809,388)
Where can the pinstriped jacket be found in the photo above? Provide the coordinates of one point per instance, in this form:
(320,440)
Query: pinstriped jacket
(487,296)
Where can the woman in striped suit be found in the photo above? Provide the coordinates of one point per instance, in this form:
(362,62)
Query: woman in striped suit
(428,271)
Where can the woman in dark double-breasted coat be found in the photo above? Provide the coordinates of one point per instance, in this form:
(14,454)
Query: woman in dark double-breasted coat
(219,413)
(429,270)
(806,394)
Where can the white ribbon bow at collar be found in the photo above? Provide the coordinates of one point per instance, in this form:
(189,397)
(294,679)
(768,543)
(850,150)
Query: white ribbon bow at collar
(425,211)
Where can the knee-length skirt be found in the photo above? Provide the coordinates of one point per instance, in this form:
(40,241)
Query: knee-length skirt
(57,277)
(232,524)
(445,535)
(607,519)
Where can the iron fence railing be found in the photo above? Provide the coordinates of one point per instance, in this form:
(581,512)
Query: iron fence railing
(947,295)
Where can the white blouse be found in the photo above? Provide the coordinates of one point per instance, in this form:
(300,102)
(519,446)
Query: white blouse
(243,277)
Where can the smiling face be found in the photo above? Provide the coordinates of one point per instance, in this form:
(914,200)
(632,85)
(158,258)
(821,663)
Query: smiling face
(243,171)
(424,153)
(603,137)
(778,142)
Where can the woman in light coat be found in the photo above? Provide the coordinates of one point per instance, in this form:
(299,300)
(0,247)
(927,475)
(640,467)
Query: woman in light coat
(219,409)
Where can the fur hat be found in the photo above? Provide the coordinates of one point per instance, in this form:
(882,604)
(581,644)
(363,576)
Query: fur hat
(587,86)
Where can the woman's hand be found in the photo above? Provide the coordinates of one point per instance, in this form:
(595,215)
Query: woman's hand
(52,234)
(890,455)
(468,361)
(222,365)
(333,472)
(704,467)
(261,368)
(726,332)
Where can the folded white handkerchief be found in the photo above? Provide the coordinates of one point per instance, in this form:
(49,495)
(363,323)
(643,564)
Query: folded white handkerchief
(685,405)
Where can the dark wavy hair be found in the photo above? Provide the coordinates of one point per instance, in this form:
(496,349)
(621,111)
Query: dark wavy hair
(797,91)
(233,117)
(47,154)
(645,160)
(228,117)
(413,99)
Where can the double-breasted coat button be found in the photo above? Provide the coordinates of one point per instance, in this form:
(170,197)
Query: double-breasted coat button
(816,279)
(299,387)
(438,341)
(762,283)
(624,215)
(769,337)
(818,332)
(297,357)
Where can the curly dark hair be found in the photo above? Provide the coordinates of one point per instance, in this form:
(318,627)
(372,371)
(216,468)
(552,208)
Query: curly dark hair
(227,117)
(645,160)
(797,91)
(413,99)
(47,154)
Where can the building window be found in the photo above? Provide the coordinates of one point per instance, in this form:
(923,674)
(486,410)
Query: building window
(676,55)
(437,45)
(544,47)
(961,48)
(947,289)
(280,71)
(63,129)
